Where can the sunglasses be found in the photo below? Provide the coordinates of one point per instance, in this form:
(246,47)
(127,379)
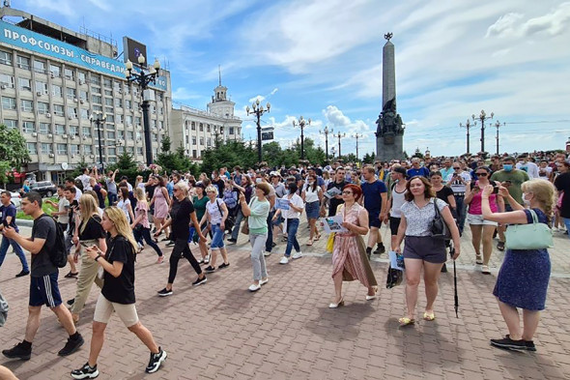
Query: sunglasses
(481,174)
(175,189)
(456,168)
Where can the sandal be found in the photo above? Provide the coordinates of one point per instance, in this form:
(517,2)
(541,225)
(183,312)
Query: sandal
(429,316)
(478,260)
(485,269)
(318,237)
(405,321)
(71,275)
(501,246)
(309,243)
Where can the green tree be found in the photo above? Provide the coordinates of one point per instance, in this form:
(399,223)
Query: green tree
(368,158)
(127,167)
(13,151)
(228,154)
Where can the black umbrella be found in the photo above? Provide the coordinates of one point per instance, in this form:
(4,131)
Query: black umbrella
(456,298)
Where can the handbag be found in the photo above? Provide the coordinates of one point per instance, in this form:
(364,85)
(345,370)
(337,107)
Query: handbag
(439,228)
(3,310)
(230,220)
(245,227)
(330,243)
(394,278)
(529,236)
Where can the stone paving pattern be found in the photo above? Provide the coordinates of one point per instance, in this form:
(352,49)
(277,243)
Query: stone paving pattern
(286,331)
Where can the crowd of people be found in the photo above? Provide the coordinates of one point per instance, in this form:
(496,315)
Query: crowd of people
(108,220)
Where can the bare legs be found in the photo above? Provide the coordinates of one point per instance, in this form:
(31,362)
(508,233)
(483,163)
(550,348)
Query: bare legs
(413,275)
(314,232)
(33,323)
(485,233)
(512,319)
(215,256)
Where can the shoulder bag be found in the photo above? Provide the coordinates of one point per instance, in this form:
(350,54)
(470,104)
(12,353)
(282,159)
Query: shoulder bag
(529,236)
(439,228)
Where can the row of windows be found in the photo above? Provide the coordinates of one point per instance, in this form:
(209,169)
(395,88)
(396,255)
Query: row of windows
(74,149)
(41,66)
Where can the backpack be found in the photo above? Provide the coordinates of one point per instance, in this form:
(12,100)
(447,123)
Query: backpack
(58,253)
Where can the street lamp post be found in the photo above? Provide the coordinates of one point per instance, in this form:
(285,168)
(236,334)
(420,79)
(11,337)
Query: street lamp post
(258,111)
(482,117)
(326,132)
(339,135)
(302,123)
(357,136)
(467,126)
(99,121)
(498,125)
(143,79)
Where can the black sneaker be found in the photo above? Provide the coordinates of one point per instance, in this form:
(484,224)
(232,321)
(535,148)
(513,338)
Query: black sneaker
(224,265)
(444,268)
(509,344)
(170,243)
(71,302)
(18,352)
(231,240)
(368,252)
(85,372)
(164,292)
(23,273)
(155,361)
(209,269)
(530,345)
(380,249)
(200,281)
(72,345)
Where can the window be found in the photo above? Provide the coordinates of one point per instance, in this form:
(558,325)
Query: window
(71,93)
(69,74)
(73,149)
(95,79)
(131,149)
(43,108)
(11,124)
(87,131)
(81,76)
(201,127)
(23,62)
(61,148)
(107,82)
(60,129)
(120,118)
(194,155)
(8,103)
(120,150)
(5,58)
(74,130)
(209,141)
(130,135)
(96,90)
(83,95)
(32,148)
(111,151)
(41,87)
(129,120)
(193,140)
(139,150)
(72,112)
(39,66)
(46,148)
(84,113)
(137,120)
(45,128)
(193,126)
(110,118)
(111,135)
(109,110)
(201,141)
(55,70)
(231,130)
(118,102)
(27,105)
(108,92)
(128,104)
(6,80)
(121,135)
(96,99)
(28,127)
(24,84)
(58,110)
(109,102)
(57,91)
(87,149)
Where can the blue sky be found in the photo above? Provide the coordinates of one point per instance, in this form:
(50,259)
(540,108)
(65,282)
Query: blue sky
(323,59)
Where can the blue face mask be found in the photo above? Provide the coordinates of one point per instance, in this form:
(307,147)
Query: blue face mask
(508,167)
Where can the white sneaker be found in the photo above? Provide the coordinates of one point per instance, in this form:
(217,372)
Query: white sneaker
(284,260)
(263,282)
(266,253)
(254,288)
(297,255)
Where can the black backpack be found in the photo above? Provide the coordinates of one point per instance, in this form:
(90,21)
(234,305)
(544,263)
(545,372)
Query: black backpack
(58,253)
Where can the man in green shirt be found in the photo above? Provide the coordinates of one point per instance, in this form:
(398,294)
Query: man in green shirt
(511,178)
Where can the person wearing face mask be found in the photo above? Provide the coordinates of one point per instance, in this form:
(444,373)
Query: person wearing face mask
(511,178)
(523,279)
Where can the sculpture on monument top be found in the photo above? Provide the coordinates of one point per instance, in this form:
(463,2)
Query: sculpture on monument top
(389,121)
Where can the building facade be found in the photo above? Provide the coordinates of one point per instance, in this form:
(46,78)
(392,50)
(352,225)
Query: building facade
(198,130)
(53,80)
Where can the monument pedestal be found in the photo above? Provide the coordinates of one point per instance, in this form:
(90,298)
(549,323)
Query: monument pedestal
(390,147)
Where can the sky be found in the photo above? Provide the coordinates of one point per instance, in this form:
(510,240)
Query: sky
(322,59)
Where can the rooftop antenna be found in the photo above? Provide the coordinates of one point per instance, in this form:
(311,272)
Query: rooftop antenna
(219,75)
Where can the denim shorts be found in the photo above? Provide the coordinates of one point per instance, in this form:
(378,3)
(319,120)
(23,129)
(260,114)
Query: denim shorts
(312,209)
(218,238)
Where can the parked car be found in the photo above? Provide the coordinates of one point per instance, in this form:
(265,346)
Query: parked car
(16,197)
(45,188)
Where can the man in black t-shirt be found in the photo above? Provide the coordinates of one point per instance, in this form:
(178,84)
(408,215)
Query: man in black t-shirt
(219,183)
(69,194)
(44,289)
(338,184)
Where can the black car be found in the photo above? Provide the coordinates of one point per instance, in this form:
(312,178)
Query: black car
(45,188)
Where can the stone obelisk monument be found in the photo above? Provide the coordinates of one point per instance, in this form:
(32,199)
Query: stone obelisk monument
(390,131)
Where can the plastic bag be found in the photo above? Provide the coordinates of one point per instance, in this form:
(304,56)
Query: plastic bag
(330,243)
(394,277)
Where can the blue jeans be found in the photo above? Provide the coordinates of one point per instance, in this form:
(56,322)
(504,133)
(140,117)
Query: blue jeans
(566,223)
(218,237)
(112,198)
(292,226)
(269,241)
(461,212)
(6,243)
(239,218)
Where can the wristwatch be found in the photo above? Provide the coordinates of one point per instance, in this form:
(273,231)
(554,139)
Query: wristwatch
(97,257)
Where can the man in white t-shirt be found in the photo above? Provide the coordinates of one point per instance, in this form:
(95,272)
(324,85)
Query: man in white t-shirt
(85,179)
(458,181)
(528,166)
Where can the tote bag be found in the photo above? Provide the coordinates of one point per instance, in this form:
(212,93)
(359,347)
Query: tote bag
(530,236)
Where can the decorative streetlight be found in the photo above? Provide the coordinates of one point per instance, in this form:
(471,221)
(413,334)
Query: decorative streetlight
(340,135)
(482,117)
(99,121)
(302,123)
(498,125)
(333,150)
(326,132)
(143,79)
(258,110)
(357,136)
(467,126)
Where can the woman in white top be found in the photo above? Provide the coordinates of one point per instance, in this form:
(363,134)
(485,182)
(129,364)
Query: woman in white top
(125,203)
(312,196)
(291,217)
(216,214)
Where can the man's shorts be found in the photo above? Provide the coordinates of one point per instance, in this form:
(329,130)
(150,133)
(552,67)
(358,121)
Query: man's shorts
(373,220)
(45,291)
(394,225)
